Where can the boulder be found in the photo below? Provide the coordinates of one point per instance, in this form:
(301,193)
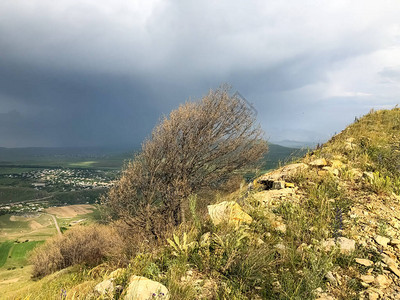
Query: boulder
(346,245)
(382,281)
(105,287)
(282,173)
(277,185)
(381,240)
(320,162)
(142,288)
(367,278)
(228,211)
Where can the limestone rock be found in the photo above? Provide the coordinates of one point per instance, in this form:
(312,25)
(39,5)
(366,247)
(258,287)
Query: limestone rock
(364,262)
(381,240)
(367,278)
(320,162)
(346,245)
(142,288)
(382,281)
(277,185)
(105,287)
(372,295)
(368,175)
(329,276)
(391,263)
(228,211)
(283,172)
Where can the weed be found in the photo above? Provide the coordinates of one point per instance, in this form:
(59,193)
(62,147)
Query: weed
(380,184)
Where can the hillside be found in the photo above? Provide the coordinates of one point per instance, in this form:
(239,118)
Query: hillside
(324,227)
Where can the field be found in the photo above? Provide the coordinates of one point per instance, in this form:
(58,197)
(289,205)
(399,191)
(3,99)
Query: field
(20,234)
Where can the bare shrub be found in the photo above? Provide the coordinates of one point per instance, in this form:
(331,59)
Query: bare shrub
(199,145)
(89,245)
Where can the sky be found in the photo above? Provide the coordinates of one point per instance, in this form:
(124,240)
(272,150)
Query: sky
(103,73)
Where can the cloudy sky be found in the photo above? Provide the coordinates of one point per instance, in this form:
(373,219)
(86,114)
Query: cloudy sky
(96,72)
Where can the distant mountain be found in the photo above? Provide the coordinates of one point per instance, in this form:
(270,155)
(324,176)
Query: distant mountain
(280,154)
(296,144)
(45,153)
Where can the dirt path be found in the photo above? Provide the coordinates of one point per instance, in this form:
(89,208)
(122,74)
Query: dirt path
(55,223)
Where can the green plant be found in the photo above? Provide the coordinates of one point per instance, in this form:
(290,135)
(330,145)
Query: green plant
(396,185)
(193,211)
(181,248)
(381,184)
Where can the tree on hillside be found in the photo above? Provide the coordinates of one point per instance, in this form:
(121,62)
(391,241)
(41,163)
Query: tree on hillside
(199,145)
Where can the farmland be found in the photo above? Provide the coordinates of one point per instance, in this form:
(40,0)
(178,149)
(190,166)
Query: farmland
(20,234)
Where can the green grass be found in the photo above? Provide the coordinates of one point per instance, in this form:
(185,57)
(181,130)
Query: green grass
(4,250)
(19,253)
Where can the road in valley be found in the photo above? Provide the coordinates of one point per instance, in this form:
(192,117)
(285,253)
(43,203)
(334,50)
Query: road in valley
(55,223)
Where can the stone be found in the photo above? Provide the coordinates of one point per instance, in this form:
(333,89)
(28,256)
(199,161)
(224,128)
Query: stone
(364,262)
(346,245)
(282,173)
(105,287)
(391,263)
(228,211)
(142,288)
(320,162)
(381,240)
(382,281)
(331,170)
(280,247)
(395,242)
(372,295)
(277,185)
(367,278)
(328,245)
(368,175)
(329,276)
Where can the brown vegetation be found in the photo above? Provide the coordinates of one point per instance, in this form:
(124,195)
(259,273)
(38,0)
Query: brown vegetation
(89,245)
(199,145)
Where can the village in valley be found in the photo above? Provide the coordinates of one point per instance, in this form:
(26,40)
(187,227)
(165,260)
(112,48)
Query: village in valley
(43,187)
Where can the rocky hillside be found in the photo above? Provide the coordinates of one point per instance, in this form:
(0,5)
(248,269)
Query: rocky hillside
(324,227)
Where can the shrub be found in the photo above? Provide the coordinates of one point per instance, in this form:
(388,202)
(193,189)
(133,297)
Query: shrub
(89,245)
(198,146)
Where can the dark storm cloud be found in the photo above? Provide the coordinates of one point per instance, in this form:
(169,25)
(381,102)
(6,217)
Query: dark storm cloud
(100,73)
